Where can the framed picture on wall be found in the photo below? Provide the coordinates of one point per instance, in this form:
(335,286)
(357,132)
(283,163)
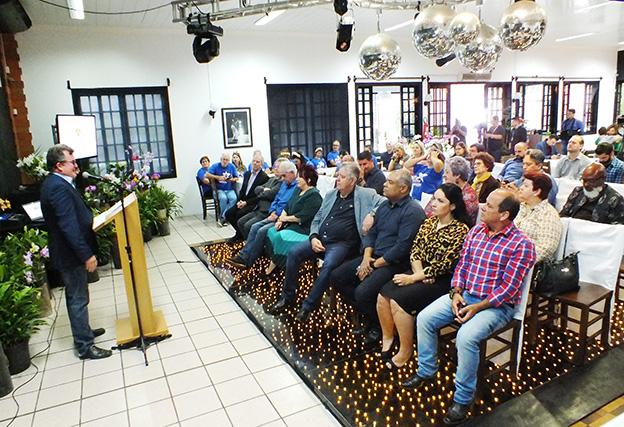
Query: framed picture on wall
(236,127)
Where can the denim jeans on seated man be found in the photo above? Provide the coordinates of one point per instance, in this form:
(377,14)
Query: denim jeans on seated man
(439,314)
(334,255)
(77,299)
(227,199)
(255,241)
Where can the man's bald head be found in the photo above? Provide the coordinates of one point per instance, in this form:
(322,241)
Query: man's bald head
(593,177)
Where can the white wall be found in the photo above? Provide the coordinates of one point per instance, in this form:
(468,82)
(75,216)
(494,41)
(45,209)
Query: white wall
(96,57)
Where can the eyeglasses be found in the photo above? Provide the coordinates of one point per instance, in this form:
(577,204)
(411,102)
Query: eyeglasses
(73,162)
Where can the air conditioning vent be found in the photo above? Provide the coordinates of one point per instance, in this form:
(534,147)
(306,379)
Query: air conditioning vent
(475,77)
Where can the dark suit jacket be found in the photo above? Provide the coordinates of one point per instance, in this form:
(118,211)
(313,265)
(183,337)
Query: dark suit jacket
(250,196)
(266,193)
(69,221)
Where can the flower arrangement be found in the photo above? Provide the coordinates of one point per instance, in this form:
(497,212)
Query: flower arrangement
(5,205)
(25,254)
(34,165)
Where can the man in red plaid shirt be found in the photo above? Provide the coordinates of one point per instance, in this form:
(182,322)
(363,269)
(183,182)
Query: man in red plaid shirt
(486,286)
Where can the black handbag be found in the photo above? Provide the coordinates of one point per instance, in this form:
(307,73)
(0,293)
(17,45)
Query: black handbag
(557,277)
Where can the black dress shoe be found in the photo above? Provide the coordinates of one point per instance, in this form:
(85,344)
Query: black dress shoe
(414,382)
(96,353)
(98,332)
(235,239)
(456,414)
(281,305)
(237,262)
(304,315)
(373,338)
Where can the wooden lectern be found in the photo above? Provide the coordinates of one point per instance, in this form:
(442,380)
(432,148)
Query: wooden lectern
(153,322)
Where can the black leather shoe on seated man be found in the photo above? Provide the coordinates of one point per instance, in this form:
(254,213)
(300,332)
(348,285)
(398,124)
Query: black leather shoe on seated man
(372,338)
(281,305)
(414,382)
(304,315)
(96,353)
(456,414)
(98,332)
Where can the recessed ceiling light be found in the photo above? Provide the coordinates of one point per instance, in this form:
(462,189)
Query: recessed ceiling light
(594,6)
(621,43)
(578,36)
(269,16)
(76,9)
(401,25)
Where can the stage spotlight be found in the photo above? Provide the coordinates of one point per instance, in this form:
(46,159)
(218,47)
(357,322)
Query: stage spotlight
(206,51)
(343,39)
(200,26)
(341,6)
(441,62)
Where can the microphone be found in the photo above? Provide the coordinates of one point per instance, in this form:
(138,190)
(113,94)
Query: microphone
(87,175)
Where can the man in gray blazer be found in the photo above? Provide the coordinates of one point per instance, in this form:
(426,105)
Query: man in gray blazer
(335,235)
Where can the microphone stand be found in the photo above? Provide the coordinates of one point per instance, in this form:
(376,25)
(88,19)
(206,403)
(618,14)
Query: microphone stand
(142,343)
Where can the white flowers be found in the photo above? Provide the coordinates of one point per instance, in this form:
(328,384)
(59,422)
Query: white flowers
(34,166)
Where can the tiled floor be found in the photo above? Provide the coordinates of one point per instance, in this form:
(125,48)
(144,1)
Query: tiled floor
(611,415)
(216,370)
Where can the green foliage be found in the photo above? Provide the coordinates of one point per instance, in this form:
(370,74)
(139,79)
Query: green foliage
(34,165)
(164,199)
(20,313)
(24,255)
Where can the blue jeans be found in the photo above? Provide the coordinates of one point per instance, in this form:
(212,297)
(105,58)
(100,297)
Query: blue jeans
(227,199)
(333,256)
(255,241)
(439,314)
(77,299)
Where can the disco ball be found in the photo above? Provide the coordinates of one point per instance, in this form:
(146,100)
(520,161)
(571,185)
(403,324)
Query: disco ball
(482,53)
(522,25)
(431,35)
(464,27)
(380,56)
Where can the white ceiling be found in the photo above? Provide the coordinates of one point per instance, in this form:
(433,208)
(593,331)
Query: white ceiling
(607,22)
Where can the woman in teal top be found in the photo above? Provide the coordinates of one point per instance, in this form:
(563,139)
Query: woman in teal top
(293,225)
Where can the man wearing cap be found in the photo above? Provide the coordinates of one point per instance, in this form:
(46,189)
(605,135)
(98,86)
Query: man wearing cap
(595,200)
(318,161)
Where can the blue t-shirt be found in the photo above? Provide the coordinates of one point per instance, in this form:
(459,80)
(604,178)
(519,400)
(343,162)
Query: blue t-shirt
(425,180)
(206,188)
(317,163)
(333,156)
(229,172)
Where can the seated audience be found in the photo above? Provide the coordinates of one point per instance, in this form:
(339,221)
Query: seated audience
(398,158)
(512,170)
(537,218)
(333,157)
(293,224)
(298,159)
(385,252)
(457,171)
(486,286)
(474,149)
(257,233)
(387,155)
(484,183)
(335,235)
(247,198)
(459,131)
(369,147)
(225,174)
(418,149)
(237,161)
(571,165)
(318,161)
(265,195)
(595,200)
(427,172)
(265,165)
(460,150)
(616,140)
(433,257)
(533,163)
(201,175)
(551,147)
(614,167)
(373,177)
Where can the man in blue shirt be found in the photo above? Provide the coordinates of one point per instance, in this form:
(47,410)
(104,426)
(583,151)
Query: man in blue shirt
(533,163)
(318,161)
(550,146)
(255,241)
(570,127)
(333,157)
(225,174)
(614,167)
(512,170)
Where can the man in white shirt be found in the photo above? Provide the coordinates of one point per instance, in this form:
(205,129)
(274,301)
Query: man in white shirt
(571,166)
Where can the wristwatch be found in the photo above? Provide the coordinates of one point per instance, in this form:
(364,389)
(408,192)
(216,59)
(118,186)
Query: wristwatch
(454,291)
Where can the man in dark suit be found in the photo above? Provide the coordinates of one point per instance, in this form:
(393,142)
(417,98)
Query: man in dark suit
(247,198)
(72,244)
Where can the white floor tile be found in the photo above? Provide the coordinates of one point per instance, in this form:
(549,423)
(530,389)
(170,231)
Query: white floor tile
(251,344)
(172,347)
(241,330)
(58,416)
(227,370)
(196,403)
(23,421)
(217,353)
(293,399)
(216,418)
(262,359)
(209,338)
(238,390)
(190,380)
(317,416)
(181,362)
(195,314)
(202,325)
(103,405)
(8,408)
(147,392)
(102,366)
(117,420)
(157,414)
(252,413)
(141,373)
(59,395)
(102,383)
(276,378)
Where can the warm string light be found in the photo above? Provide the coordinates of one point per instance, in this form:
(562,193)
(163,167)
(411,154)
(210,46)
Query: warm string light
(356,382)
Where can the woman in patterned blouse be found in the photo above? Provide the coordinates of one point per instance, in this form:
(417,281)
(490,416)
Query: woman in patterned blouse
(537,218)
(434,254)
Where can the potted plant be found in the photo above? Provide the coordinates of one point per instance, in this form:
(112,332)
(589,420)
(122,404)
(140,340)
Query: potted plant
(147,212)
(20,318)
(167,206)
(34,165)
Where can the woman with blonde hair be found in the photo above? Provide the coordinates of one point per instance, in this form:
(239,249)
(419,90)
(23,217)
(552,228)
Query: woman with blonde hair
(237,161)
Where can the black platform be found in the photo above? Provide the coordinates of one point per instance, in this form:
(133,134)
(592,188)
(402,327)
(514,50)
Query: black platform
(358,390)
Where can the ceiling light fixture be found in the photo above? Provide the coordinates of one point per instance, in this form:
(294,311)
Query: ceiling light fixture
(594,6)
(620,43)
(401,25)
(578,36)
(269,16)
(76,9)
